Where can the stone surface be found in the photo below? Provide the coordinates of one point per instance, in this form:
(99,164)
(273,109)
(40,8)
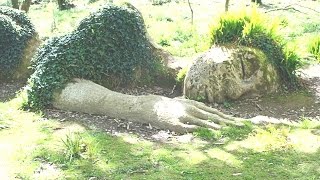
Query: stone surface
(229,73)
(177,115)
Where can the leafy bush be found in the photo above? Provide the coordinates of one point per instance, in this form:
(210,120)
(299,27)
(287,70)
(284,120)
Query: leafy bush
(181,75)
(249,28)
(109,47)
(314,47)
(15,31)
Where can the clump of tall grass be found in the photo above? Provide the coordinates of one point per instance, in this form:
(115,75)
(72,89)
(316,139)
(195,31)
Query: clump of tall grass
(73,146)
(314,47)
(250,28)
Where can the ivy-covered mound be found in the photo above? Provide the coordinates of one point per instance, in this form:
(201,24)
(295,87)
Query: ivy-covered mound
(16,31)
(252,29)
(110,47)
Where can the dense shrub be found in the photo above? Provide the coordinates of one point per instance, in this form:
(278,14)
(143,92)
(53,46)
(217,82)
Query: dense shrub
(15,32)
(314,47)
(249,28)
(109,47)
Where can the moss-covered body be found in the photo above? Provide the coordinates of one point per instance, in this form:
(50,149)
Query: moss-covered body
(110,47)
(17,36)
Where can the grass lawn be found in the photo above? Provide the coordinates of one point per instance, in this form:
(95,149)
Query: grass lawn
(33,147)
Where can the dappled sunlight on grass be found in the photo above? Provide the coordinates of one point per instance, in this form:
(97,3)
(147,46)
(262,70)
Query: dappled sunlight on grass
(228,158)
(281,138)
(192,157)
(304,141)
(19,140)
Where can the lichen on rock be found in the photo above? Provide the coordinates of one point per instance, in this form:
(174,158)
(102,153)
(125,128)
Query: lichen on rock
(228,73)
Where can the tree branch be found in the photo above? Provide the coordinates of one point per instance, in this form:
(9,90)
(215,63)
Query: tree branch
(226,6)
(191,11)
(289,7)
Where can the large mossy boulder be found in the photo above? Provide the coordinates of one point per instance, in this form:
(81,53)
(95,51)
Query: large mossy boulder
(18,43)
(228,73)
(110,47)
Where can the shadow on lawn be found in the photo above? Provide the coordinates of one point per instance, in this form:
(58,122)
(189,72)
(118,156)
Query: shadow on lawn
(129,157)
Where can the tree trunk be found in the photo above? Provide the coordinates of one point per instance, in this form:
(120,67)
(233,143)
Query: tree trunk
(191,10)
(26,5)
(15,4)
(257,1)
(226,6)
(64,5)
(61,4)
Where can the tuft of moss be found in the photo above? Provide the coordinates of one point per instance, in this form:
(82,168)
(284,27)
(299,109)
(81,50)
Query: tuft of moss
(16,30)
(110,47)
(252,29)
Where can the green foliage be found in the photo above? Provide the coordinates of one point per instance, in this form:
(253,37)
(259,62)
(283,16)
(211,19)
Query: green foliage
(15,31)
(314,47)
(228,30)
(250,28)
(180,38)
(73,146)
(236,132)
(308,123)
(207,134)
(109,47)
(227,104)
(181,75)
(274,138)
(187,41)
(229,132)
(311,27)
